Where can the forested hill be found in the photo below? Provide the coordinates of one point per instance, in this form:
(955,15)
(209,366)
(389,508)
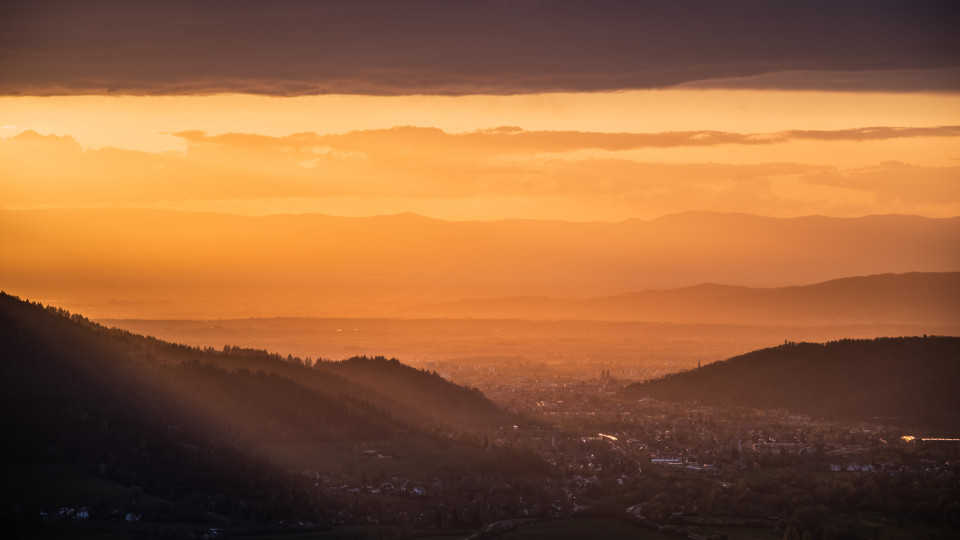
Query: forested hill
(429,394)
(167,436)
(413,397)
(178,421)
(912,379)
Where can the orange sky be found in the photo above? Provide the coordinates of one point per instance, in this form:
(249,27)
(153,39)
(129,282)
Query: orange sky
(600,112)
(581,156)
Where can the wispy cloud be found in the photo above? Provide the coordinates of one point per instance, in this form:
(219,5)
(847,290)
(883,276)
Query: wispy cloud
(521,169)
(514,140)
(895,183)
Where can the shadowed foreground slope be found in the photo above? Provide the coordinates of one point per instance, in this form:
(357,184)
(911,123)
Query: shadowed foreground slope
(912,380)
(181,425)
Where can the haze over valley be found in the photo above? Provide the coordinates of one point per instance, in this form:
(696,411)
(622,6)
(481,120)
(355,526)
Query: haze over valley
(114,263)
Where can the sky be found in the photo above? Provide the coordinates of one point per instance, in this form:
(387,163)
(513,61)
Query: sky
(487,110)
(482,110)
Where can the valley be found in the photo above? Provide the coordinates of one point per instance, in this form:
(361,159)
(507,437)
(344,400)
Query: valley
(370,448)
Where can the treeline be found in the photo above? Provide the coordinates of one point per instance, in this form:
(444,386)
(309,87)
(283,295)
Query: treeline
(908,380)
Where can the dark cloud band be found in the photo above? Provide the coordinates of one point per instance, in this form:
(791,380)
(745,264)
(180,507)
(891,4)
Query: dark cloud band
(496,47)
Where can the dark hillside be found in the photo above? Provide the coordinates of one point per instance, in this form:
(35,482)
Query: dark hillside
(73,395)
(429,394)
(260,406)
(912,379)
(181,425)
(413,396)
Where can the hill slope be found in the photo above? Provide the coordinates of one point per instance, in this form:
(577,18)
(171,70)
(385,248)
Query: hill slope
(912,379)
(75,394)
(428,394)
(182,423)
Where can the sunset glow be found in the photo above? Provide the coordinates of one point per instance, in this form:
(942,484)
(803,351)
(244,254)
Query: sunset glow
(480,269)
(581,157)
(786,144)
(573,157)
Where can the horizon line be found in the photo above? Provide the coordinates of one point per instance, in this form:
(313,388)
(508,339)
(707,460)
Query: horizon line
(411,214)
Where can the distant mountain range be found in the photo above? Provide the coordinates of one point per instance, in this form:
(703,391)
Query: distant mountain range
(911,381)
(134,263)
(912,298)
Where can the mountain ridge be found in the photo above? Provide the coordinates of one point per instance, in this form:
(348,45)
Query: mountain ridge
(674,216)
(879,299)
(310,265)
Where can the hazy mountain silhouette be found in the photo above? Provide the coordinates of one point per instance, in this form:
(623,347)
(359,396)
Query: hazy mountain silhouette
(911,381)
(913,298)
(214,265)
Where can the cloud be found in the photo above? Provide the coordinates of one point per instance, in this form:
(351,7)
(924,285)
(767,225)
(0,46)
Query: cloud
(872,133)
(514,140)
(384,47)
(892,183)
(892,80)
(428,165)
